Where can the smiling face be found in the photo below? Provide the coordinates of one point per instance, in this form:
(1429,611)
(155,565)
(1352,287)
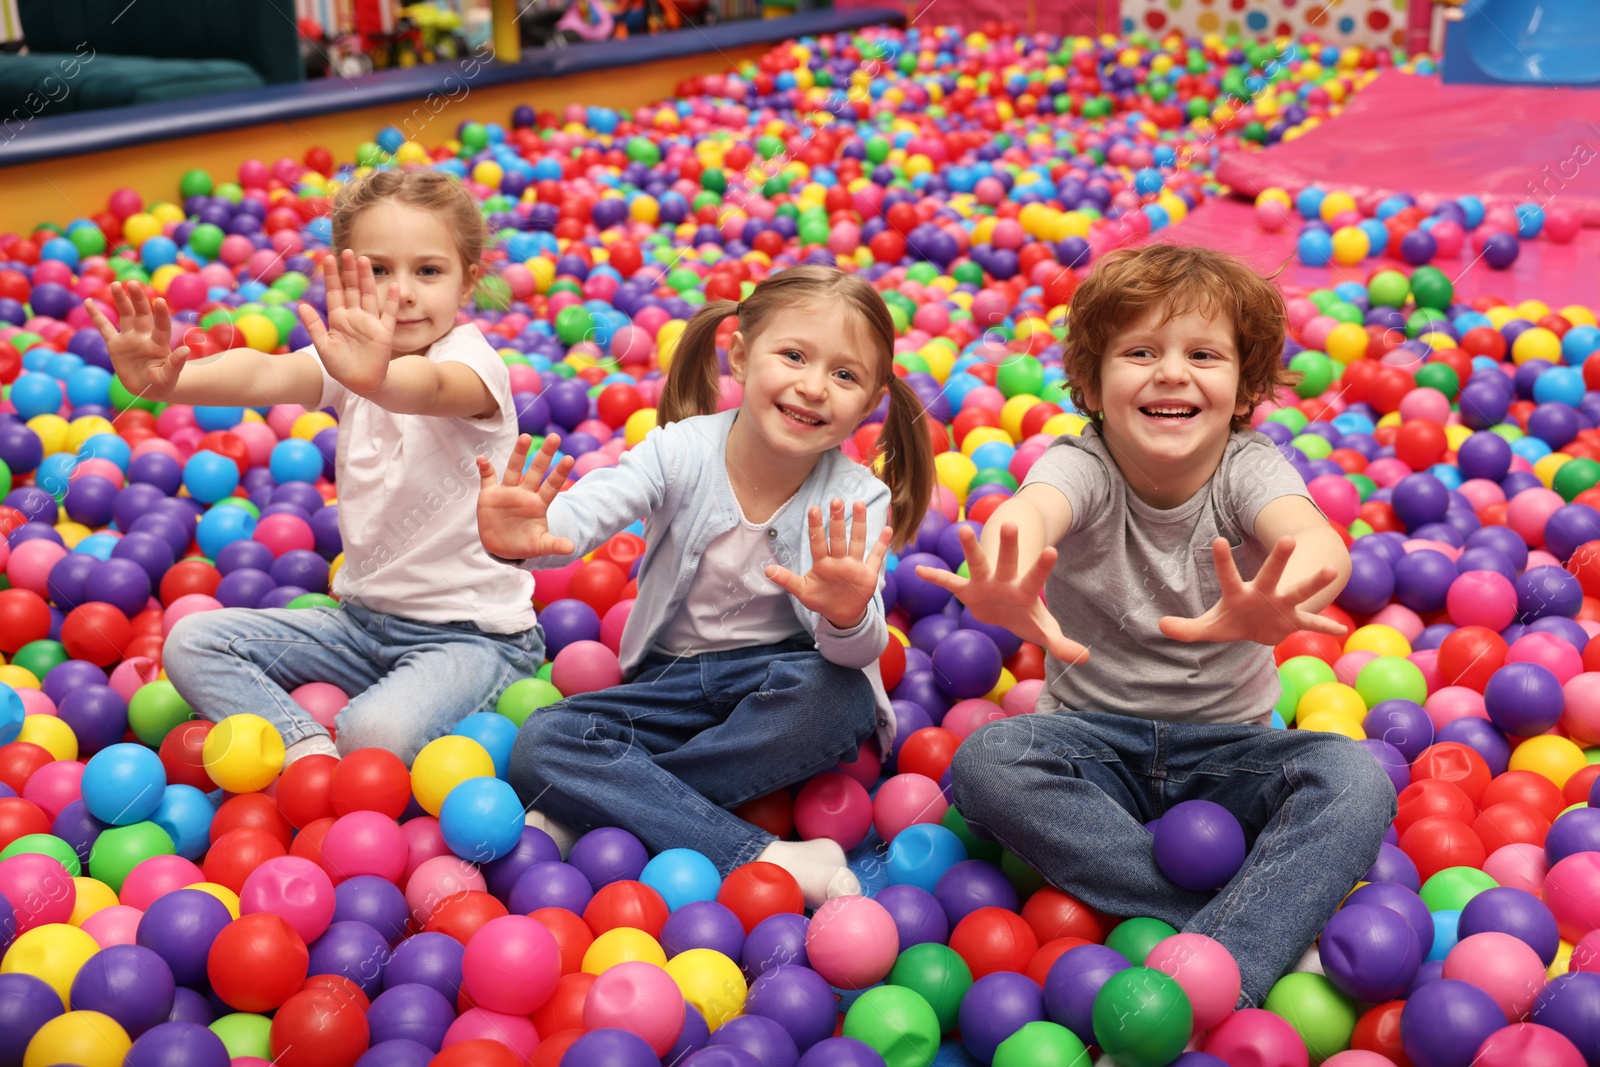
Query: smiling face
(413,249)
(1169,391)
(809,379)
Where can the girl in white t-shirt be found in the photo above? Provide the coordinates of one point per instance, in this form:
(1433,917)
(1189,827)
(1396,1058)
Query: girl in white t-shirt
(750,655)
(430,629)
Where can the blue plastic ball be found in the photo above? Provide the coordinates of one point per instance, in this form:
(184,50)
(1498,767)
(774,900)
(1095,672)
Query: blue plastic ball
(124,784)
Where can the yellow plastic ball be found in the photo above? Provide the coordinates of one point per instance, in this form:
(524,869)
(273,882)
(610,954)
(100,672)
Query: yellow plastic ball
(1545,467)
(258,331)
(1335,697)
(1350,245)
(229,898)
(1500,314)
(1064,424)
(544,273)
(711,982)
(1456,436)
(334,566)
(92,896)
(955,472)
(1011,415)
(79,430)
(166,211)
(162,276)
(667,342)
(1563,960)
(622,945)
(410,154)
(84,1038)
(1557,758)
(1002,687)
(51,734)
(1336,203)
(940,359)
(17,677)
(1274,195)
(1332,722)
(137,229)
(310,424)
(1347,342)
(1378,639)
(72,532)
(445,763)
(639,424)
(243,754)
(52,953)
(1578,315)
(488,173)
(52,432)
(1533,310)
(984,435)
(1537,343)
(644,209)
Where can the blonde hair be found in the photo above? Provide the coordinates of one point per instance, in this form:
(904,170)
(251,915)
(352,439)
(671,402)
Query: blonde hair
(693,382)
(427,190)
(1127,284)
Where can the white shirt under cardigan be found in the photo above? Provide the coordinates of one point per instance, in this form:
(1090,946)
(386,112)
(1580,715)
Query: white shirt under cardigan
(676,480)
(408,488)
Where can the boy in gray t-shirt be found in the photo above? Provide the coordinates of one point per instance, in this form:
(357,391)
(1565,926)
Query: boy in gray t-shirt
(1175,547)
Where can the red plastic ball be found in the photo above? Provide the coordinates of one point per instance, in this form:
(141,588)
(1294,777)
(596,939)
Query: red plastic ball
(994,939)
(1438,842)
(626,904)
(1028,662)
(572,934)
(1453,762)
(252,811)
(1429,798)
(461,914)
(308,842)
(181,754)
(96,632)
(235,854)
(1053,914)
(315,1028)
(257,962)
(1509,823)
(305,790)
(19,760)
(759,890)
(598,584)
(19,818)
(1039,966)
(1576,791)
(189,576)
(1420,444)
(564,1009)
(1378,1030)
(773,813)
(1528,788)
(1325,647)
(928,752)
(24,617)
(1470,656)
(371,779)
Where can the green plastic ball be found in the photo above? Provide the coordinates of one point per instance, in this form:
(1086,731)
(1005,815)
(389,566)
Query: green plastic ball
(122,400)
(525,696)
(492,293)
(1020,376)
(897,1023)
(1042,1044)
(938,975)
(1296,675)
(1391,678)
(574,323)
(1313,446)
(156,710)
(120,849)
(88,240)
(1451,888)
(313,600)
(474,137)
(1423,320)
(1293,418)
(714,179)
(245,1035)
(1024,878)
(1316,373)
(5,475)
(1440,376)
(1142,1018)
(206,239)
(643,150)
(988,851)
(993,476)
(44,845)
(40,657)
(1389,288)
(1134,938)
(1323,1017)
(1576,476)
(1431,287)
(195,183)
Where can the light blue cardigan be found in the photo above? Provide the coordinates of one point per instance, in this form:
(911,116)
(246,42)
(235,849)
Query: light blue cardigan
(677,480)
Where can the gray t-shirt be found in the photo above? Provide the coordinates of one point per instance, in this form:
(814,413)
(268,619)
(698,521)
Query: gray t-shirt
(1124,564)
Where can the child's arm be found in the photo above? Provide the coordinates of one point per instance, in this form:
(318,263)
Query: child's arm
(144,361)
(1007,572)
(355,348)
(1306,569)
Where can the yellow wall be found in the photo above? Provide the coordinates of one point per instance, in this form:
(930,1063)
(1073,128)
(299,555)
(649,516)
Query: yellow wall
(60,190)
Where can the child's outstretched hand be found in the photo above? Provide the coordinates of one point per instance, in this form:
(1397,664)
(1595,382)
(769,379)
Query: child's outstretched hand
(1261,610)
(843,575)
(1002,597)
(141,350)
(355,345)
(511,511)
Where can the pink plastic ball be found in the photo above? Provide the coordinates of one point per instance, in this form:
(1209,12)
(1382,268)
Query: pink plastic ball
(437,879)
(187,605)
(1023,697)
(258,440)
(511,965)
(54,786)
(966,716)
(1427,661)
(1448,238)
(116,925)
(1572,893)
(1482,598)
(36,702)
(1401,618)
(1480,493)
(132,673)
(1554,654)
(1520,866)
(613,622)
(40,890)
(905,800)
(1428,405)
(1347,668)
(1454,702)
(1204,970)
(835,806)
(30,563)
(97,467)
(1337,496)
(1580,717)
(322,699)
(1528,512)
(640,998)
(516,1032)
(866,768)
(294,888)
(1586,953)
(585,667)
(1355,1057)
(156,877)
(1272,215)
(364,842)
(282,533)
(852,942)
(1259,1038)
(424,841)
(1503,966)
(1527,1045)
(1561,224)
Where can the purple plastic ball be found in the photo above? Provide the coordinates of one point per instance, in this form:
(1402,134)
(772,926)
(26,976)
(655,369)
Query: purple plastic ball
(1573,831)
(692,1038)
(90,500)
(967,664)
(550,884)
(841,1052)
(149,551)
(301,567)
(177,1044)
(122,583)
(1507,910)
(430,959)
(997,1006)
(566,622)
(1500,250)
(26,1003)
(98,716)
(1403,902)
(1523,699)
(1073,983)
(533,846)
(1570,1005)
(400,1053)
(609,854)
(917,914)
(1390,759)
(609,1048)
(242,554)
(410,1012)
(1419,499)
(70,675)
(244,588)
(180,926)
(130,983)
(1370,952)
(373,900)
(763,1038)
(157,469)
(974,884)
(1371,584)
(776,940)
(353,950)
(1402,723)
(1482,737)
(1444,1022)
(1545,591)
(1418,247)
(914,595)
(798,999)
(1422,580)
(1199,844)
(703,924)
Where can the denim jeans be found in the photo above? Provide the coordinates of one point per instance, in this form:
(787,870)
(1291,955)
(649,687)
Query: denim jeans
(1070,792)
(409,682)
(669,753)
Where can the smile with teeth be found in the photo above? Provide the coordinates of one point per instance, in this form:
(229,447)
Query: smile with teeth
(1171,411)
(796,415)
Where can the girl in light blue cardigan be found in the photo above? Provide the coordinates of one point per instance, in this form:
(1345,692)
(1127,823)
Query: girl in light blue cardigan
(750,657)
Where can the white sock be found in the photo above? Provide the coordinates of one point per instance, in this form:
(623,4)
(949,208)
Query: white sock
(819,866)
(1311,962)
(315,745)
(560,833)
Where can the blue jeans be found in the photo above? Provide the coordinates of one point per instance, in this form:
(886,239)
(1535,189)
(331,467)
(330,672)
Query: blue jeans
(1070,793)
(667,754)
(409,682)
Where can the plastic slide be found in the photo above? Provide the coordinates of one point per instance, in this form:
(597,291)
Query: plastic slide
(1524,42)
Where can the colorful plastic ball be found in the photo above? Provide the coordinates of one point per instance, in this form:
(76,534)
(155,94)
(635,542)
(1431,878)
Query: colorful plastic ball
(922,853)
(1570,1005)
(1523,1044)
(257,962)
(1445,1022)
(703,924)
(129,983)
(1142,1017)
(1524,699)
(974,884)
(896,1023)
(608,854)
(180,927)
(711,982)
(640,998)
(319,1027)
(1199,844)
(243,754)
(1204,970)
(622,945)
(370,779)
(445,763)
(54,953)
(904,800)
(841,1052)
(681,876)
(83,1038)
(1255,1035)
(410,1011)
(178,1042)
(39,888)
(1075,980)
(755,891)
(294,888)
(551,884)
(632,905)
(364,842)
(26,1004)
(481,819)
(798,1000)
(937,974)
(119,849)
(1571,890)
(123,784)
(852,942)
(834,806)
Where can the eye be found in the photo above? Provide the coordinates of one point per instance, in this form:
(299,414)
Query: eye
(1204,355)
(378,272)
(792,355)
(847,376)
(429,272)
(1141,353)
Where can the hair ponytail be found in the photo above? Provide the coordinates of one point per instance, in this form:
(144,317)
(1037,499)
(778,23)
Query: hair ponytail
(694,379)
(907,461)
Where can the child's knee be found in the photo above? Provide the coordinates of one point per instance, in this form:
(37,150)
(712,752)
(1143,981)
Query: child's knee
(1369,794)
(192,639)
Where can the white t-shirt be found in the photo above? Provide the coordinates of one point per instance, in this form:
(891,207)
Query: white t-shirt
(408,502)
(732,603)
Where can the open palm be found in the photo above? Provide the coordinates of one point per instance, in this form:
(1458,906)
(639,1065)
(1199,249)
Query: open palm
(512,509)
(141,347)
(1261,610)
(1000,596)
(355,345)
(843,575)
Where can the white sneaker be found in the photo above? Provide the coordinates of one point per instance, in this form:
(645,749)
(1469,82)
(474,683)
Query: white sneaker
(560,833)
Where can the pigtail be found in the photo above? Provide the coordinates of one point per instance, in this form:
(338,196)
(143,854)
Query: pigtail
(694,380)
(907,461)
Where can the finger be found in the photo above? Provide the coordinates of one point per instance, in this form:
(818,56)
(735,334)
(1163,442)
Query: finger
(977,562)
(858,531)
(1320,624)
(1035,578)
(1309,587)
(880,551)
(534,475)
(121,301)
(942,578)
(1181,629)
(176,361)
(1271,571)
(518,461)
(1228,576)
(819,547)
(556,546)
(313,323)
(785,579)
(108,332)
(486,479)
(1067,650)
(837,541)
(369,286)
(142,319)
(1005,567)
(163,323)
(558,477)
(349,278)
(330,283)
(391,307)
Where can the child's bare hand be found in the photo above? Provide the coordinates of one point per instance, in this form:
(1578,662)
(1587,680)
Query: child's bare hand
(512,510)
(355,346)
(1261,610)
(141,349)
(843,575)
(1002,597)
